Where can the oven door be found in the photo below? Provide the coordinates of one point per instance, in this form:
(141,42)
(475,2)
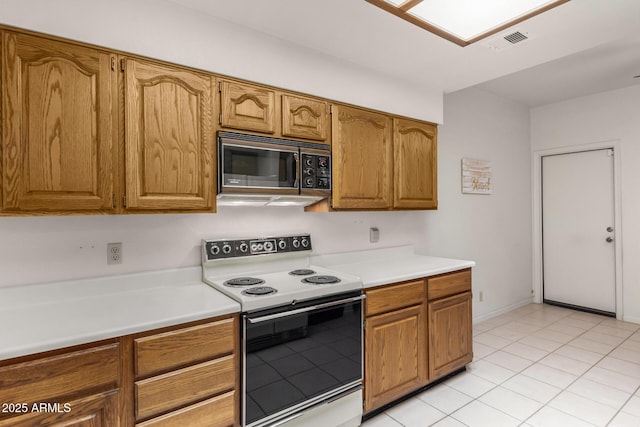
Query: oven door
(257,167)
(301,356)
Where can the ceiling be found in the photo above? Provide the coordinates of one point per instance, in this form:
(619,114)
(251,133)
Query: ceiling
(578,48)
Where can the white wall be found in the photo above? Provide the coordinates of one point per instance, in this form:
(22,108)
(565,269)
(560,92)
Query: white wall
(493,230)
(608,116)
(44,249)
(164,30)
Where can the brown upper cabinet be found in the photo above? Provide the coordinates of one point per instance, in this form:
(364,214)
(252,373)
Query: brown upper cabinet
(382,162)
(247,107)
(415,161)
(255,108)
(362,158)
(169,143)
(304,118)
(59,134)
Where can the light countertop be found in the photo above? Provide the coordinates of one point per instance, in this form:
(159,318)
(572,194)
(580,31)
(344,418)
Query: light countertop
(389,265)
(43,317)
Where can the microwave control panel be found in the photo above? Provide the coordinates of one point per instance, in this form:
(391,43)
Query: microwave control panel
(316,172)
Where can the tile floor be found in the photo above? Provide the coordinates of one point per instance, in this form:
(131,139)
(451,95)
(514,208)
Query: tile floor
(536,366)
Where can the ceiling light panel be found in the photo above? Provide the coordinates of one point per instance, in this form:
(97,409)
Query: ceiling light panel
(465,21)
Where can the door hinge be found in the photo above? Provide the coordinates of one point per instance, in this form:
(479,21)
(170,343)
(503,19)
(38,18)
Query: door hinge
(122,61)
(124,200)
(113,63)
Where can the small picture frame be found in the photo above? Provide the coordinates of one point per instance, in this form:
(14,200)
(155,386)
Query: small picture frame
(476,176)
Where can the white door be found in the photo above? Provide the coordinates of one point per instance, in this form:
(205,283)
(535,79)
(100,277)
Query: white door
(578,230)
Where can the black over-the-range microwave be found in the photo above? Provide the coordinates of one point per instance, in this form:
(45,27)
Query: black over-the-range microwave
(262,170)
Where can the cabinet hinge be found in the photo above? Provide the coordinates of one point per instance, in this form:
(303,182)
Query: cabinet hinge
(124,200)
(122,62)
(328,108)
(113,63)
(113,201)
(220,119)
(219,86)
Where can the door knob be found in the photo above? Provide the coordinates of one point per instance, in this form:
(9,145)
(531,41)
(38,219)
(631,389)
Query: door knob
(609,239)
(609,229)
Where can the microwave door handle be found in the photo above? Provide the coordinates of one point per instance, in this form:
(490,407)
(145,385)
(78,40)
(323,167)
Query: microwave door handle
(296,158)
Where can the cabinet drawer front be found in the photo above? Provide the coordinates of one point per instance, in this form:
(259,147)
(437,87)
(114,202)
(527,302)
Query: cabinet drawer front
(95,369)
(182,347)
(169,391)
(217,412)
(394,297)
(449,284)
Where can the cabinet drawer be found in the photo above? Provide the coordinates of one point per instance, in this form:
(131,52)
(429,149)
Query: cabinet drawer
(66,374)
(216,412)
(449,284)
(169,391)
(394,297)
(182,347)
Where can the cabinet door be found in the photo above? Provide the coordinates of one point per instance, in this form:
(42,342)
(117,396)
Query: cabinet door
(93,411)
(247,107)
(362,159)
(59,145)
(169,146)
(304,118)
(395,355)
(450,336)
(416,169)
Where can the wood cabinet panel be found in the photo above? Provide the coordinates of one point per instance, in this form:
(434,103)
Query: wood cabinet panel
(173,349)
(416,166)
(393,297)
(59,135)
(215,412)
(169,143)
(172,390)
(450,335)
(247,107)
(449,284)
(395,355)
(362,159)
(99,410)
(67,374)
(304,118)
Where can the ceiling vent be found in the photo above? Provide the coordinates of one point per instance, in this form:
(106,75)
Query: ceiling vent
(506,40)
(516,37)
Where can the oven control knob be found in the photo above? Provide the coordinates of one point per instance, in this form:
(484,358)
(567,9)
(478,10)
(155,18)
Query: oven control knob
(295,243)
(268,246)
(282,244)
(244,247)
(305,242)
(226,248)
(215,250)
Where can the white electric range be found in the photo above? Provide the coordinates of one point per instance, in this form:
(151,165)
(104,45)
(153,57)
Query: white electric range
(301,331)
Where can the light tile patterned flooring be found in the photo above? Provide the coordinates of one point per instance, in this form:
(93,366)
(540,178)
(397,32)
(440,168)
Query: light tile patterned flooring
(536,366)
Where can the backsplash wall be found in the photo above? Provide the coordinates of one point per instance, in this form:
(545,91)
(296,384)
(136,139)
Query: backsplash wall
(48,249)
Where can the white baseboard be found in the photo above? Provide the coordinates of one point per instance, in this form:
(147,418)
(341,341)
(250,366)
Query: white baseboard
(494,313)
(631,319)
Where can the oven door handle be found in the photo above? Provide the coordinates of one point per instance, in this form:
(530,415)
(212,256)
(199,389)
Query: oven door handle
(304,310)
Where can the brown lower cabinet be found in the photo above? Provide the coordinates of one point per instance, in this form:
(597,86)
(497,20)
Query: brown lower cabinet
(185,375)
(415,333)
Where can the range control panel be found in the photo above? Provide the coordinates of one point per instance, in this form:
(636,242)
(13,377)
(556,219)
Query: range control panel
(316,172)
(221,249)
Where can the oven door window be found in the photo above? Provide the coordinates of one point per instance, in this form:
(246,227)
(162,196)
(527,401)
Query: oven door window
(256,167)
(298,358)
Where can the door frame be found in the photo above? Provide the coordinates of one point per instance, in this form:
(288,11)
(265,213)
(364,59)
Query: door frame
(537,214)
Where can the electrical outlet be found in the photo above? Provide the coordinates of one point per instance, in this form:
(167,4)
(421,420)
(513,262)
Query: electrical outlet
(114,253)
